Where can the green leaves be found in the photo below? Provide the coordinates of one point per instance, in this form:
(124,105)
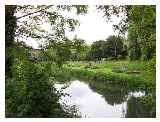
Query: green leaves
(141,31)
(30,92)
(111,48)
(33,17)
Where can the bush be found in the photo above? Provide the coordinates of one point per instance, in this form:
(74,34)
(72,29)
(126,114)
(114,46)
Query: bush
(29,93)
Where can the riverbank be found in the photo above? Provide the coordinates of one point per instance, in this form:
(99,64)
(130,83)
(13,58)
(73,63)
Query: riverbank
(134,74)
(116,78)
(113,82)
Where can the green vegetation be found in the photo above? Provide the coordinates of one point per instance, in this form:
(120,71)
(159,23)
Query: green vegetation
(114,79)
(116,93)
(116,61)
(112,48)
(122,68)
(143,107)
(29,84)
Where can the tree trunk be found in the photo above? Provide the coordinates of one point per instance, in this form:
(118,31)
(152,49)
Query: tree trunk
(10,26)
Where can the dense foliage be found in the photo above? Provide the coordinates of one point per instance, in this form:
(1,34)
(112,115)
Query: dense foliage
(113,48)
(141,32)
(79,49)
(29,86)
(31,74)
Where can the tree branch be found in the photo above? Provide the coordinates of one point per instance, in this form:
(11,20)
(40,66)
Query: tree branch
(33,12)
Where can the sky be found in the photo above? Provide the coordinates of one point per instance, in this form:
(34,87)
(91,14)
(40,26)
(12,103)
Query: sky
(93,27)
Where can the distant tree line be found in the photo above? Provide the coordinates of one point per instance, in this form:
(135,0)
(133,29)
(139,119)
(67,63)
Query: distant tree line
(112,48)
(78,50)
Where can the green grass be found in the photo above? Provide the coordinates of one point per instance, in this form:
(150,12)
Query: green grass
(108,67)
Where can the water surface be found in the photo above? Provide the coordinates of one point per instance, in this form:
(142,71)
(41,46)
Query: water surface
(93,104)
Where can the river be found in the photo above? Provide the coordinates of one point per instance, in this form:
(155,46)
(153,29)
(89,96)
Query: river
(94,103)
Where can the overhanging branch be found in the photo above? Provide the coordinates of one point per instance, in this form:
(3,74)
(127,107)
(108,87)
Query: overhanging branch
(33,12)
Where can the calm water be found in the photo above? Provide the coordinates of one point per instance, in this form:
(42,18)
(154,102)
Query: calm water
(96,102)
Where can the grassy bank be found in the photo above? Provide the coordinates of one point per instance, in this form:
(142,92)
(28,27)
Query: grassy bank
(124,72)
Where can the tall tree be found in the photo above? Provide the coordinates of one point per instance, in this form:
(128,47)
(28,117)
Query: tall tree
(142,29)
(139,21)
(97,50)
(114,46)
(79,47)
